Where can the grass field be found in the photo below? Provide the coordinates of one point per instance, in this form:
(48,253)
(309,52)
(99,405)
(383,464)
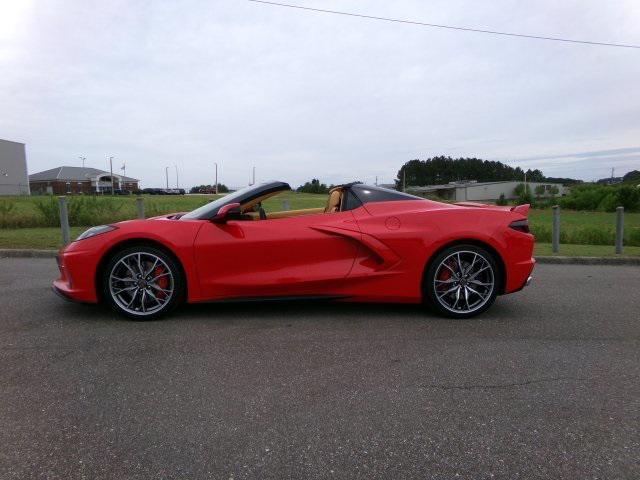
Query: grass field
(573,250)
(42,211)
(591,229)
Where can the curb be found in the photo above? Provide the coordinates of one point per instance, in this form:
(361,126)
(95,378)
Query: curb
(28,253)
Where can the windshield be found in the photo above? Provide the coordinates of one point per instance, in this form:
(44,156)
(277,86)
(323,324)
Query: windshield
(208,211)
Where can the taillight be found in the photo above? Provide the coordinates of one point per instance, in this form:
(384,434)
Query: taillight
(520,225)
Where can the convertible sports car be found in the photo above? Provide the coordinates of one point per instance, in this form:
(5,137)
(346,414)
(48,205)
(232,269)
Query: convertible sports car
(367,244)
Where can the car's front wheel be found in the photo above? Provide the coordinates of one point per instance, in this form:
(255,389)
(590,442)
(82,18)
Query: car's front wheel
(462,281)
(142,282)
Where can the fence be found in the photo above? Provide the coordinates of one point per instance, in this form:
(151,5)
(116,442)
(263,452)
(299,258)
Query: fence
(555,234)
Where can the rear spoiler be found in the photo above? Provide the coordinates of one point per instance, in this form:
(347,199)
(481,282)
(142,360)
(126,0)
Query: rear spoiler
(521,209)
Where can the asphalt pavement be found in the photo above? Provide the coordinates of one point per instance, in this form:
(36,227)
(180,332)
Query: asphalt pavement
(546,384)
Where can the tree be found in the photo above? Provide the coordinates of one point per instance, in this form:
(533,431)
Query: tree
(222,188)
(442,170)
(632,176)
(314,186)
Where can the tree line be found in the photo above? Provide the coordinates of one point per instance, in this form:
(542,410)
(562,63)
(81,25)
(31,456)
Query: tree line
(442,170)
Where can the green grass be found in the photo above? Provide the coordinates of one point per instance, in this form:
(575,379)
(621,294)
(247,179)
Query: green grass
(585,228)
(297,201)
(573,250)
(38,238)
(42,211)
(35,213)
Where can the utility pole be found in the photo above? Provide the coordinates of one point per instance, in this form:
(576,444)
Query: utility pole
(404,179)
(177,184)
(216,164)
(166,172)
(82,159)
(253,182)
(376,180)
(111,172)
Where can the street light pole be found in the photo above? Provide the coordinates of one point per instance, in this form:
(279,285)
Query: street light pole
(111,172)
(166,172)
(216,164)
(177,183)
(82,159)
(253,182)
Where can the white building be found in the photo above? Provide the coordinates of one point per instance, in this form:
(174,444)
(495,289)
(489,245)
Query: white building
(13,169)
(472,191)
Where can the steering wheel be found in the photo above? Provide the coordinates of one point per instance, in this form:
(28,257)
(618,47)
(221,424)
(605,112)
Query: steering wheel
(263,214)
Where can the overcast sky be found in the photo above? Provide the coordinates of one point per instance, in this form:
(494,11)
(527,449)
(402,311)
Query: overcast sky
(301,94)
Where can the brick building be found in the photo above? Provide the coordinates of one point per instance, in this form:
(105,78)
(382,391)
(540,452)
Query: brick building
(76,180)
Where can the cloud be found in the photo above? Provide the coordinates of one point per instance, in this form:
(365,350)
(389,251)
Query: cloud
(303,95)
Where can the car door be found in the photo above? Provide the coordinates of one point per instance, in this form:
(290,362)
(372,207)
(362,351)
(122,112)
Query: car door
(303,255)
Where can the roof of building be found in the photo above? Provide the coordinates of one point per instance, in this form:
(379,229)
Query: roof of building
(10,141)
(74,174)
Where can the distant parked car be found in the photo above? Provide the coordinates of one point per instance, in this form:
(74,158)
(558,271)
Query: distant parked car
(154,191)
(121,192)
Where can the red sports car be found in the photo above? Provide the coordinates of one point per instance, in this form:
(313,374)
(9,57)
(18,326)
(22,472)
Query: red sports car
(368,244)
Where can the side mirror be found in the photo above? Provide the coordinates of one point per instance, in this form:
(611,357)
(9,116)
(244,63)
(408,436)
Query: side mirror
(225,212)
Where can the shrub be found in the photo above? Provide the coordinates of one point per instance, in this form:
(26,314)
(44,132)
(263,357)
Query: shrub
(48,208)
(602,197)
(608,203)
(629,198)
(502,200)
(6,208)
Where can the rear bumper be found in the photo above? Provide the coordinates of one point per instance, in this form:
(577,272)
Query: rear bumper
(519,276)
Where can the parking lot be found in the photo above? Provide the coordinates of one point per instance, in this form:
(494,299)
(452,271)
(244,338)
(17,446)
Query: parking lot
(545,385)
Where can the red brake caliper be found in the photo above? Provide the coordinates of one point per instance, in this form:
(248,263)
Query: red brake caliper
(162,282)
(444,275)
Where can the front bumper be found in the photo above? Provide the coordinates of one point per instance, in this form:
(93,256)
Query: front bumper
(77,273)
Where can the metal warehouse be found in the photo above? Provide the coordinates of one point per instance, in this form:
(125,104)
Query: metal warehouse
(13,169)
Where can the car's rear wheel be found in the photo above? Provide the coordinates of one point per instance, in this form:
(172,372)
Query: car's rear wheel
(142,282)
(462,281)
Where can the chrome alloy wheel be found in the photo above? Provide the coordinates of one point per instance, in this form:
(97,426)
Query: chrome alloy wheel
(464,282)
(141,283)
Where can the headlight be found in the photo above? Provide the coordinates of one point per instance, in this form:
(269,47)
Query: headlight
(93,231)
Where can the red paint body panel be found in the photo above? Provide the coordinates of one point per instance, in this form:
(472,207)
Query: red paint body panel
(377,252)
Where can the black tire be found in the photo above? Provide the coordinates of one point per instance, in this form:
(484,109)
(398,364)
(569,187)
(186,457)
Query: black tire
(440,294)
(166,270)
